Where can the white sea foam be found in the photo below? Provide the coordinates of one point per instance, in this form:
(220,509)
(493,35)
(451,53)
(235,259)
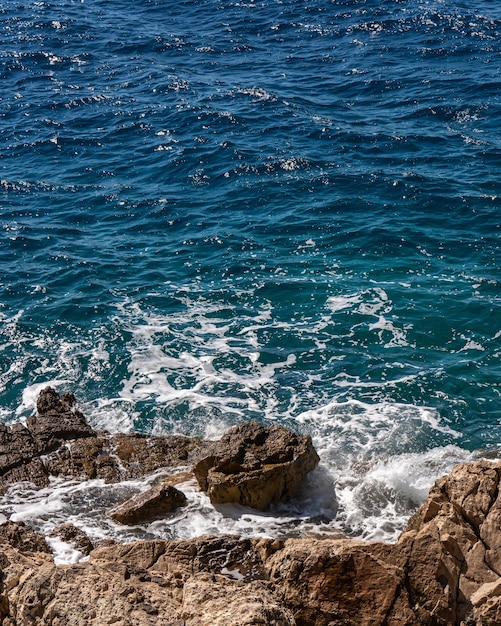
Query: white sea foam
(369,452)
(338,303)
(369,481)
(362,430)
(375,505)
(258,93)
(205,375)
(209,358)
(371,501)
(30,394)
(372,303)
(471,344)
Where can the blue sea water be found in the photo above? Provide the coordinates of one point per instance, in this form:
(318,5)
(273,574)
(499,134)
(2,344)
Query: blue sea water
(214,211)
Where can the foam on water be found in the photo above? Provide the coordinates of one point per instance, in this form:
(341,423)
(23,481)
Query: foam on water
(367,485)
(369,502)
(276,211)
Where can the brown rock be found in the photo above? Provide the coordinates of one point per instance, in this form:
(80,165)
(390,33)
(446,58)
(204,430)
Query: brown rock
(222,601)
(149,505)
(451,557)
(49,401)
(140,455)
(59,442)
(445,569)
(32,472)
(256,466)
(486,603)
(342,582)
(440,573)
(85,459)
(56,421)
(22,537)
(16,447)
(74,536)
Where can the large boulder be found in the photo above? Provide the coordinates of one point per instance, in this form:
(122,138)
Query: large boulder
(149,505)
(57,421)
(256,465)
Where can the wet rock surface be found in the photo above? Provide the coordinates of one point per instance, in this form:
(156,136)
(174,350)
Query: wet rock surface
(445,570)
(59,442)
(256,466)
(149,505)
(252,465)
(69,533)
(56,422)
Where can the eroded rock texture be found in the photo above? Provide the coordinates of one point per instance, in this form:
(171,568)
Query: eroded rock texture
(443,571)
(58,441)
(256,466)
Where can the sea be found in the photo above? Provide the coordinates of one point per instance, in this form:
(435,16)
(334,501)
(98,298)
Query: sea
(216,211)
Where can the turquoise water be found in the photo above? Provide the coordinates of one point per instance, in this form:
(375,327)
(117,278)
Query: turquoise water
(215,211)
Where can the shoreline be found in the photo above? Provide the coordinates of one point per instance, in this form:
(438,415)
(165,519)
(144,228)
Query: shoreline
(444,569)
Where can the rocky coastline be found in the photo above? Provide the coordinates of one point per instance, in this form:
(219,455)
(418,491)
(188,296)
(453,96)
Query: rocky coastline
(445,568)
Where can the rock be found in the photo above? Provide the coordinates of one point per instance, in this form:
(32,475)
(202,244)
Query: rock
(486,602)
(56,421)
(256,466)
(341,582)
(456,542)
(18,458)
(442,572)
(32,472)
(17,447)
(149,505)
(215,600)
(22,537)
(140,454)
(85,459)
(59,442)
(74,536)
(49,401)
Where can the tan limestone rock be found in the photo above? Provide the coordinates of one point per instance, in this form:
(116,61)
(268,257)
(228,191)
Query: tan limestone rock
(445,570)
(486,603)
(215,600)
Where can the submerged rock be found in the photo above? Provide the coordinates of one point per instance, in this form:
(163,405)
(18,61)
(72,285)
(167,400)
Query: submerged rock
(149,505)
(256,465)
